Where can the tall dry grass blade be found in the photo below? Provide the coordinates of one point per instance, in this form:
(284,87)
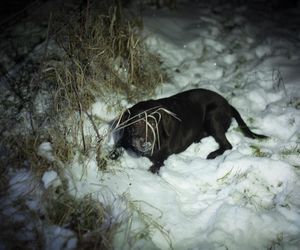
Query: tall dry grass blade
(144,116)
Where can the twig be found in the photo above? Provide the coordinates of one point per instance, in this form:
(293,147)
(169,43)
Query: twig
(100,138)
(47,36)
(277,77)
(80,113)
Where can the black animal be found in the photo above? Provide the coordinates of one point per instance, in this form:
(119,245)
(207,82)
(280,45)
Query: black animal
(159,128)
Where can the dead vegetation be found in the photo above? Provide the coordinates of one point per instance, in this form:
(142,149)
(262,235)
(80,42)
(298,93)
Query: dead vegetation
(99,55)
(84,216)
(104,58)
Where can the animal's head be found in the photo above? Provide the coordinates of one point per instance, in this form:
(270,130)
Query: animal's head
(144,129)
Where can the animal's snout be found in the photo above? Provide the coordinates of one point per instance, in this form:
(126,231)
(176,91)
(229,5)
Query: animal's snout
(139,141)
(147,145)
(141,144)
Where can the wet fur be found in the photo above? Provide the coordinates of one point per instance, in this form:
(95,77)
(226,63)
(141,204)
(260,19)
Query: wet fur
(201,113)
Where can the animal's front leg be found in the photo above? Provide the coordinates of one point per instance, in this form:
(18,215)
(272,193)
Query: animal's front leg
(156,166)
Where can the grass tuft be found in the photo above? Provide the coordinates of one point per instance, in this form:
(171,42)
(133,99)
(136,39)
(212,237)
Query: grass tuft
(291,151)
(258,152)
(151,225)
(84,216)
(104,58)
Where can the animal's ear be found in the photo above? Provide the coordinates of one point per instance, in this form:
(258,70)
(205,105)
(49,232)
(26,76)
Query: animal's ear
(166,125)
(168,122)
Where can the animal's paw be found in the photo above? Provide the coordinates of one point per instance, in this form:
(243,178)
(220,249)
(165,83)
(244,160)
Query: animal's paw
(153,169)
(115,153)
(218,152)
(212,155)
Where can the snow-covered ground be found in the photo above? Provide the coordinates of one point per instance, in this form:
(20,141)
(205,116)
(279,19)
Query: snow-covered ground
(248,198)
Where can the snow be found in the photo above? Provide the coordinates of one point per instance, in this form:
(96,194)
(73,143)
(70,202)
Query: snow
(99,109)
(285,123)
(50,178)
(45,150)
(56,238)
(240,200)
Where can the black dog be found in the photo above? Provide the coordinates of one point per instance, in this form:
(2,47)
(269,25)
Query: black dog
(159,128)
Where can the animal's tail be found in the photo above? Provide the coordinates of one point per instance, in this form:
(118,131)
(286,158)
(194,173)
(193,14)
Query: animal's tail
(243,126)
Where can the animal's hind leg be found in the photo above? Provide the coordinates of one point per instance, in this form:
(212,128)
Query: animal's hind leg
(217,127)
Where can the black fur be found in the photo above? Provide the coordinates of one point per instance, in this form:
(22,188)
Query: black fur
(201,112)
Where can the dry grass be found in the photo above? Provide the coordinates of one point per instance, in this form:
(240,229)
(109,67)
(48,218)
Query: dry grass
(22,151)
(149,119)
(84,216)
(102,57)
(105,58)
(151,224)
